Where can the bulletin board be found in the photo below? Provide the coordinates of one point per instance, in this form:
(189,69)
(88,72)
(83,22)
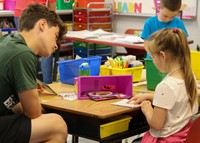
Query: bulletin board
(145,7)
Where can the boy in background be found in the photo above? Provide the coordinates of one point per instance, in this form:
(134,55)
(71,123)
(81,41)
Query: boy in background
(166,18)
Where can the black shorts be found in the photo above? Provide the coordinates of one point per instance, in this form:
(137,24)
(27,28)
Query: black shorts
(15,128)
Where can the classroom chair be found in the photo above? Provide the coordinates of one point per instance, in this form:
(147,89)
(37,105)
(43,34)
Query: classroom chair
(157,3)
(193,135)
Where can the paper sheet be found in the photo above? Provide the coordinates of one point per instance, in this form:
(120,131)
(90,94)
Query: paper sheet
(125,104)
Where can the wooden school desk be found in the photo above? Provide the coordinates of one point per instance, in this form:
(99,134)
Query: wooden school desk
(84,117)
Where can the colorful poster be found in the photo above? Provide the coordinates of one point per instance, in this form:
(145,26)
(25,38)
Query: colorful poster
(147,7)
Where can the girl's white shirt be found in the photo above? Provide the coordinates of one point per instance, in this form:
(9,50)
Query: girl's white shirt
(171,94)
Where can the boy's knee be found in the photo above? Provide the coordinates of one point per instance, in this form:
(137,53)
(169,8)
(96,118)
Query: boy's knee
(59,123)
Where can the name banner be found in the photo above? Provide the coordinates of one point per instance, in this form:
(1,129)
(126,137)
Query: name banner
(147,7)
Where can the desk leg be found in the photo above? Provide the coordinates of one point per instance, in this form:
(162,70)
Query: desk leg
(74,139)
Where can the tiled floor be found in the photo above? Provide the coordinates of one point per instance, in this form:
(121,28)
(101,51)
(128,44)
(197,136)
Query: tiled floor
(83,140)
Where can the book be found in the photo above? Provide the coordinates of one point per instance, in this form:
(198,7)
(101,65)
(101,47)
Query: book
(105,95)
(125,104)
(44,88)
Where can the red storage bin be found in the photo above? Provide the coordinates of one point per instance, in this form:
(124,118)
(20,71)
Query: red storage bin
(83,3)
(100,26)
(79,26)
(81,19)
(83,13)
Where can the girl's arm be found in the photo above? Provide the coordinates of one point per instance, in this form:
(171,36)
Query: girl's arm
(155,116)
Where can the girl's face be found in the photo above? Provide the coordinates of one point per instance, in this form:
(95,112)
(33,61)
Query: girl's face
(158,61)
(158,58)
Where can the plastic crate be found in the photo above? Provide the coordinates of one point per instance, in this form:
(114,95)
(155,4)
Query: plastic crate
(115,127)
(85,84)
(136,72)
(83,3)
(195,57)
(69,69)
(64,4)
(153,76)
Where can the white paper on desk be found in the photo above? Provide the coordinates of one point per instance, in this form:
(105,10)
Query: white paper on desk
(86,34)
(130,39)
(125,104)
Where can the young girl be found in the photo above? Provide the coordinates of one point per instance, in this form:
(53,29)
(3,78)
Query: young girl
(175,97)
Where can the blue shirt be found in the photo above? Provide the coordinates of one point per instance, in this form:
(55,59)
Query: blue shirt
(153,24)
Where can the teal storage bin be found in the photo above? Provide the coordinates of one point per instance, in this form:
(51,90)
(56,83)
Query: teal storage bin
(64,4)
(153,75)
(69,69)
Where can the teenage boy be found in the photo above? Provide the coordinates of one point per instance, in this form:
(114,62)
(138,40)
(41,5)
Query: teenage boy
(21,117)
(46,63)
(166,18)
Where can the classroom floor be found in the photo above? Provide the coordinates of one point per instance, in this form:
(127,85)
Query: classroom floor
(83,140)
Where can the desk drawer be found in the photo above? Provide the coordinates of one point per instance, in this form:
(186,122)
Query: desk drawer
(91,20)
(100,26)
(83,52)
(79,26)
(85,45)
(115,126)
(83,13)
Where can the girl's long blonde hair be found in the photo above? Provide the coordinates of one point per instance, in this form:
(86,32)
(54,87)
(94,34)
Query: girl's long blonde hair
(174,41)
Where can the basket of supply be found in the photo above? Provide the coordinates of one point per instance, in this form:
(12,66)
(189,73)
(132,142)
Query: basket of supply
(153,76)
(195,57)
(125,66)
(69,69)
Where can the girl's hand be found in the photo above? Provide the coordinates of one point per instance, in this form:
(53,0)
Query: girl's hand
(138,98)
(146,108)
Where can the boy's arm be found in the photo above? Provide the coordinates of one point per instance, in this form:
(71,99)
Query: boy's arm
(30,103)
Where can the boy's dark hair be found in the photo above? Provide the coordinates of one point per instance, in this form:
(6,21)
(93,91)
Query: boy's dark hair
(35,12)
(172,5)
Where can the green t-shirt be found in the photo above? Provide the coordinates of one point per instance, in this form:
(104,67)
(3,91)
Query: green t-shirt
(18,65)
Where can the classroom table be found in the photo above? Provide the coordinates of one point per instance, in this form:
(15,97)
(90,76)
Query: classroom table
(84,117)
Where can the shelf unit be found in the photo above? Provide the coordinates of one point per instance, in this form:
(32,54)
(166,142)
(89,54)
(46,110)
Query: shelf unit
(90,18)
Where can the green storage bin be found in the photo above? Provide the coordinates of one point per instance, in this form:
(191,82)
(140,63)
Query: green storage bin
(91,46)
(64,4)
(153,75)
